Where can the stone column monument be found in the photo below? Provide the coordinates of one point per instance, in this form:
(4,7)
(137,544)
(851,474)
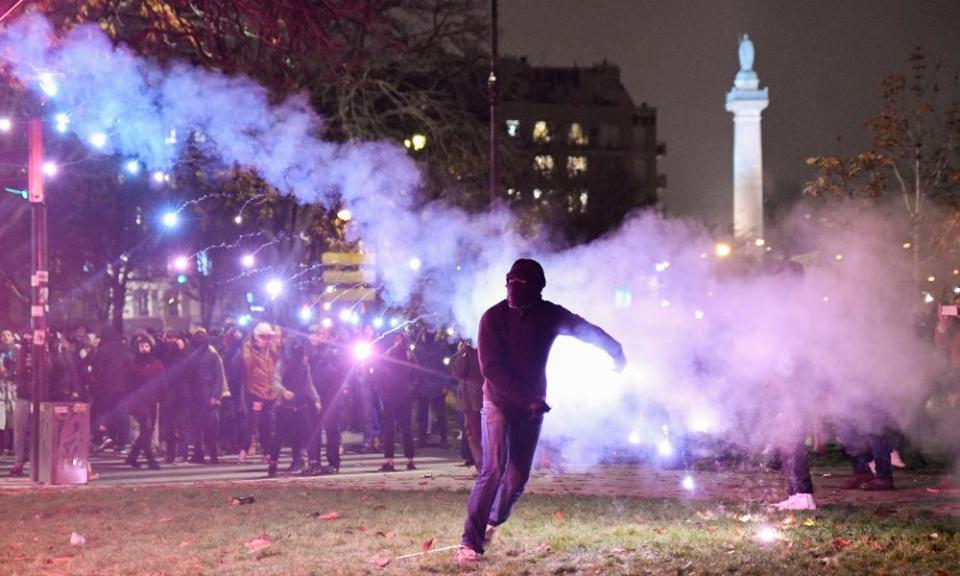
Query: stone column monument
(746,101)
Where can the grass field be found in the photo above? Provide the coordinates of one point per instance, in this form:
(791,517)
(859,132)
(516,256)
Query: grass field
(298,529)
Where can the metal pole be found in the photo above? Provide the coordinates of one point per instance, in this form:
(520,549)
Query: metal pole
(494,101)
(38,283)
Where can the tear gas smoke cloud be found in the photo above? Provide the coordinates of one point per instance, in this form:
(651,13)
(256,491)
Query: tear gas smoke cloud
(751,357)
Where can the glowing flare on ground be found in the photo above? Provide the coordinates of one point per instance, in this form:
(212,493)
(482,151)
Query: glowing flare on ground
(768,534)
(665,448)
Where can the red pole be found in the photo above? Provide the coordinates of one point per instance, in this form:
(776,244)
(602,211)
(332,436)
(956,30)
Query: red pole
(38,282)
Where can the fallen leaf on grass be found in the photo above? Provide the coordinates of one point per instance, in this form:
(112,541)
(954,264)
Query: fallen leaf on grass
(841,543)
(708,515)
(165,520)
(261,542)
(427,545)
(381,560)
(360,529)
(809,522)
(330,516)
(185,543)
(560,514)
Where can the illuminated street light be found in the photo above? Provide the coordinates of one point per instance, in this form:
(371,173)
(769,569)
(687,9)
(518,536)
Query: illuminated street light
(274,288)
(362,350)
(326,323)
(132,167)
(759,242)
(931,278)
(415,264)
(238,219)
(48,84)
(344,315)
(418,142)
(247,261)
(98,140)
(306,314)
(378,322)
(159,177)
(62,122)
(6,124)
(345,215)
(634,437)
(181,263)
(722,250)
(170,219)
(687,483)
(50,168)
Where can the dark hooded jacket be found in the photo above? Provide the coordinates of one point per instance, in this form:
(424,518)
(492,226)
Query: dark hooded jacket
(514,345)
(204,372)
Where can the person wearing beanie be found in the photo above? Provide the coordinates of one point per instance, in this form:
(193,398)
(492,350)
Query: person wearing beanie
(145,381)
(515,338)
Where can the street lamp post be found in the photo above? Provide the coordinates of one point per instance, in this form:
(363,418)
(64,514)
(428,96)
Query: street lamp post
(38,283)
(494,101)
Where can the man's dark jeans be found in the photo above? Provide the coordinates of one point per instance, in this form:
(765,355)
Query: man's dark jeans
(509,442)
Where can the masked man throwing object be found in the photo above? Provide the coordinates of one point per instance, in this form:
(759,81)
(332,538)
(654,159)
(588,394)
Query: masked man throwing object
(514,343)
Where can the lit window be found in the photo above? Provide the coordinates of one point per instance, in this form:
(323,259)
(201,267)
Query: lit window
(512,127)
(543,163)
(576,136)
(584,196)
(576,165)
(537,193)
(541,132)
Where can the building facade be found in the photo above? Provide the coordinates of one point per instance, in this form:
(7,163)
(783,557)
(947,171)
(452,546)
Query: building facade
(581,140)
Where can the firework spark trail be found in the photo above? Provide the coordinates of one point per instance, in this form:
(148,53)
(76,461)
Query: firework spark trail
(246,273)
(231,245)
(194,201)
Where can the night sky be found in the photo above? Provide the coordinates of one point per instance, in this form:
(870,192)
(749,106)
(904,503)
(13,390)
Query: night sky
(822,61)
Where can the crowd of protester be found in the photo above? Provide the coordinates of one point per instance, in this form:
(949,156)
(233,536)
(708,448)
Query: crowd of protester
(250,392)
(255,392)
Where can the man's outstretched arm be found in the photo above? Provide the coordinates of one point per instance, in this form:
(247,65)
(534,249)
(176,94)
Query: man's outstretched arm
(576,326)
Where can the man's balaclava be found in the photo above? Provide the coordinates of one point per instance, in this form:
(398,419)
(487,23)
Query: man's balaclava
(525,282)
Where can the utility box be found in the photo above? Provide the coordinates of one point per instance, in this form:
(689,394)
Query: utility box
(64,442)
